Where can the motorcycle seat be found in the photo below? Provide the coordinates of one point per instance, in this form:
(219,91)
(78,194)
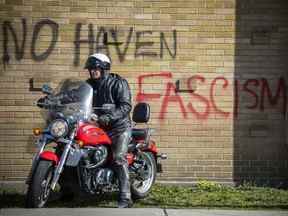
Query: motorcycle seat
(139,134)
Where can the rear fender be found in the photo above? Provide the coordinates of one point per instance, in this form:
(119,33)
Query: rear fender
(50,156)
(152,148)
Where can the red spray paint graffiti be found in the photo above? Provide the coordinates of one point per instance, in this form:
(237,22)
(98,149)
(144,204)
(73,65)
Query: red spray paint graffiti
(205,101)
(257,90)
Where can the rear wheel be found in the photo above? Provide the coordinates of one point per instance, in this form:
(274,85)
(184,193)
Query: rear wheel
(39,188)
(145,175)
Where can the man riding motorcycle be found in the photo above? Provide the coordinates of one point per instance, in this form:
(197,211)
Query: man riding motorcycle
(109,88)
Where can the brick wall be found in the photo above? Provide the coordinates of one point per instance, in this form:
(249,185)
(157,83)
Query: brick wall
(179,56)
(260,143)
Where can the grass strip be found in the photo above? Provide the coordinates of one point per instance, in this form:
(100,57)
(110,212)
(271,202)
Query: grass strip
(204,195)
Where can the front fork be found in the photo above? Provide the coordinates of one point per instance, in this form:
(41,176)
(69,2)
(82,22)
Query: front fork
(63,158)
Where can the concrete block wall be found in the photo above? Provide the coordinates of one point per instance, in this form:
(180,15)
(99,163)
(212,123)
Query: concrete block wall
(182,57)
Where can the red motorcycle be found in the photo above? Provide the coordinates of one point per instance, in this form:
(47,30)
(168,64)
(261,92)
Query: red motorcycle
(75,153)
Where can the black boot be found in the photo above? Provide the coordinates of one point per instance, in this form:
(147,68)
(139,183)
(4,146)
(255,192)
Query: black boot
(124,200)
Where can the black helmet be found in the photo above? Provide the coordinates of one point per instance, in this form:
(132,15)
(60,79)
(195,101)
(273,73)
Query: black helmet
(98,60)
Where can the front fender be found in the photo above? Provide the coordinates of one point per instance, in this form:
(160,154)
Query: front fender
(50,156)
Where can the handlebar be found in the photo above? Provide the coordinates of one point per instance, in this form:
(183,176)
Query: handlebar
(48,103)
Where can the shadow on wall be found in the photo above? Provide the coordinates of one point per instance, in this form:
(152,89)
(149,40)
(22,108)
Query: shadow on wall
(261,56)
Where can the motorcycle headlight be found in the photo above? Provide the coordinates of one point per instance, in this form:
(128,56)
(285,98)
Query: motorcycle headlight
(59,128)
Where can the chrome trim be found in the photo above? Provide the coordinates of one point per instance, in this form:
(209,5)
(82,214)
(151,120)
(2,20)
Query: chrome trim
(63,159)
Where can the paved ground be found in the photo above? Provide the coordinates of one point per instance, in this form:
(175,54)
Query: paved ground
(135,212)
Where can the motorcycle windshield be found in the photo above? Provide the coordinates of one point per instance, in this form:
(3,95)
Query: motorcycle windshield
(76,98)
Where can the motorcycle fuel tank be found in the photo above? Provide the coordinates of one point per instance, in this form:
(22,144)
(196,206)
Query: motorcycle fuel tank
(90,134)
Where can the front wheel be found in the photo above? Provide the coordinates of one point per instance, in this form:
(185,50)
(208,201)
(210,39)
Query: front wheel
(39,188)
(145,175)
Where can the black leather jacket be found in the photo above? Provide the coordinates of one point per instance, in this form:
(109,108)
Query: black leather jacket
(113,89)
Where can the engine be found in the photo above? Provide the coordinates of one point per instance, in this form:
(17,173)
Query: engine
(104,177)
(95,156)
(94,174)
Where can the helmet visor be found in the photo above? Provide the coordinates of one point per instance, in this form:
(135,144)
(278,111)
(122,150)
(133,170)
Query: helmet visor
(93,63)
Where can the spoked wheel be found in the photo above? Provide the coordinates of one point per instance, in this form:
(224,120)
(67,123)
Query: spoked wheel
(39,188)
(145,175)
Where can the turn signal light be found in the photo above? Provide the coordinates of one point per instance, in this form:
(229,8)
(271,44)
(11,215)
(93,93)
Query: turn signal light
(80,143)
(37,131)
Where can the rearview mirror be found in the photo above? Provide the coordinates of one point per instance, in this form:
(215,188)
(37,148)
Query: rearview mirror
(46,89)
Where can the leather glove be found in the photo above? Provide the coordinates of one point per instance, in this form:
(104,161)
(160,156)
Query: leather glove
(104,120)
